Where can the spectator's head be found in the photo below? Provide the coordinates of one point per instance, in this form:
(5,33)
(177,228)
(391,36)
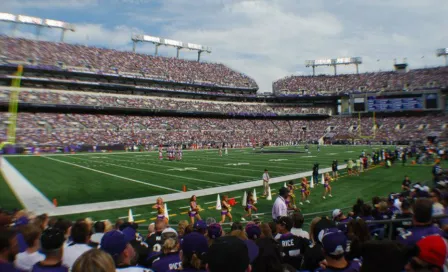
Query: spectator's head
(297,219)
(382,206)
(253,231)
(94,260)
(422,211)
(118,223)
(375,200)
(283,192)
(284,225)
(269,256)
(181,227)
(317,225)
(214,231)
(160,226)
(384,255)
(336,214)
(80,233)
(8,245)
(236,226)
(42,221)
(107,226)
(31,233)
(117,245)
(65,226)
(358,230)
(51,242)
(151,228)
(225,249)
(266,231)
(436,195)
(170,245)
(432,255)
(99,227)
(200,226)
(194,248)
(366,210)
(334,243)
(405,206)
(169,233)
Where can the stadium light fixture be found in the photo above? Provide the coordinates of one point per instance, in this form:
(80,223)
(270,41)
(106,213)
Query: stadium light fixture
(334,62)
(443,52)
(38,22)
(136,38)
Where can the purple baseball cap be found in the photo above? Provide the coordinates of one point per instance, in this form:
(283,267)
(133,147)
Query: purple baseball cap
(114,242)
(22,221)
(253,250)
(334,241)
(200,225)
(129,233)
(194,243)
(214,231)
(253,231)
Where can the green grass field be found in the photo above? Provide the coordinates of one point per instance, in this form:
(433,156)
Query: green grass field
(89,178)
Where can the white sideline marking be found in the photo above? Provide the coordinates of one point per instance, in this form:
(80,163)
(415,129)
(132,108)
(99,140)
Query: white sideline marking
(149,171)
(126,203)
(278,159)
(28,195)
(113,175)
(238,164)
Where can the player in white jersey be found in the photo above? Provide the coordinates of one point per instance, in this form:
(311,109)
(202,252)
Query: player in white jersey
(226,152)
(160,155)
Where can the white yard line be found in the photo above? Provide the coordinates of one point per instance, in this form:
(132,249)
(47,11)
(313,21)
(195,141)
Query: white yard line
(112,175)
(127,203)
(28,195)
(214,166)
(203,171)
(154,172)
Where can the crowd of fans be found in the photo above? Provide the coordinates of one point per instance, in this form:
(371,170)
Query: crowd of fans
(155,103)
(50,129)
(367,82)
(99,60)
(355,240)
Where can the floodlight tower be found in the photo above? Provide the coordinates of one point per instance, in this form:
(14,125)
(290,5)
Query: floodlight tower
(443,52)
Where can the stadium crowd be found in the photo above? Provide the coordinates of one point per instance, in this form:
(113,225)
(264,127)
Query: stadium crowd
(51,129)
(367,82)
(99,60)
(154,103)
(351,241)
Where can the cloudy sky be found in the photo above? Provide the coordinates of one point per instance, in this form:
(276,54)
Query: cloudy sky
(266,39)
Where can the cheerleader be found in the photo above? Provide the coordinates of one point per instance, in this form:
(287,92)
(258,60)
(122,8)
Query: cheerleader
(305,191)
(249,206)
(291,197)
(327,187)
(160,207)
(194,210)
(225,210)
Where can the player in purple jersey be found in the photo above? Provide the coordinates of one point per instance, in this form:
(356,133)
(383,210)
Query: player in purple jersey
(422,221)
(334,243)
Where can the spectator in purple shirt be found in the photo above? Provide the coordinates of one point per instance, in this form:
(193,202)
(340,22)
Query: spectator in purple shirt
(51,241)
(422,221)
(193,252)
(169,259)
(8,250)
(334,243)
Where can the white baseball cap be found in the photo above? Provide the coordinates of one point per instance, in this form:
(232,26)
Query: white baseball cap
(336,213)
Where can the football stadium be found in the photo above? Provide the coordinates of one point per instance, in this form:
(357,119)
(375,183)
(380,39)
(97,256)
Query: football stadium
(116,160)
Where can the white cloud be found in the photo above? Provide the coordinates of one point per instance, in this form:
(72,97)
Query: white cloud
(270,39)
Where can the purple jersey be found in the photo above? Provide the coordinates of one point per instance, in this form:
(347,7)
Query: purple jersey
(166,262)
(413,235)
(51,268)
(8,267)
(353,266)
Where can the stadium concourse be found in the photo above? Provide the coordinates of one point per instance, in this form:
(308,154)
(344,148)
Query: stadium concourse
(198,139)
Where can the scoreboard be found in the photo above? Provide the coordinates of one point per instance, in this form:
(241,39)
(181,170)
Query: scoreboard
(376,104)
(419,101)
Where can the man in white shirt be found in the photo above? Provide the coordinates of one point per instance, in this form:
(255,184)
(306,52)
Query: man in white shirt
(280,209)
(80,237)
(265,182)
(25,260)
